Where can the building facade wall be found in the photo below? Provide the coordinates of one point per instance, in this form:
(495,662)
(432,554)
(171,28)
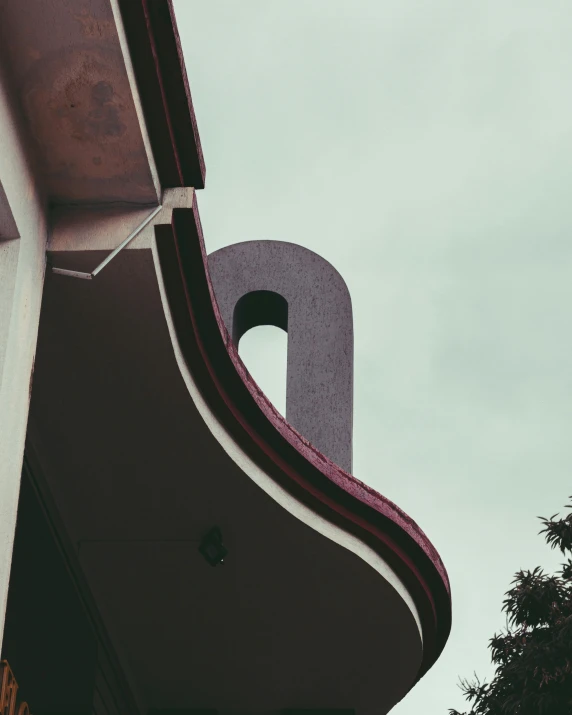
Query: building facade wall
(22,266)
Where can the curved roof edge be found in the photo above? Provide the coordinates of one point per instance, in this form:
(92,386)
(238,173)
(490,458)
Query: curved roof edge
(298,467)
(157,58)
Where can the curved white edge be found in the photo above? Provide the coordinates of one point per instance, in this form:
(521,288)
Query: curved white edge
(266,482)
(135,94)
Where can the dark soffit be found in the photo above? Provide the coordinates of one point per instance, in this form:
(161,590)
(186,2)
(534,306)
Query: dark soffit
(157,57)
(278,449)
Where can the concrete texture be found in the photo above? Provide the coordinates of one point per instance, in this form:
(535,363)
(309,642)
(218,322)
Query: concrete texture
(283,284)
(138,477)
(70,132)
(159,67)
(72,137)
(103,228)
(22,263)
(66,62)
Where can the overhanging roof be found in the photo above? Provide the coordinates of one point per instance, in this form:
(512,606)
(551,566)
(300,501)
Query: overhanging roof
(157,57)
(148,430)
(100,92)
(128,447)
(294,463)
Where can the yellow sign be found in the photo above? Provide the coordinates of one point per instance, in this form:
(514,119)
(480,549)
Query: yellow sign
(9,693)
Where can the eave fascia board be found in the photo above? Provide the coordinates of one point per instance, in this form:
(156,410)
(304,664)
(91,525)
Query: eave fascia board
(159,68)
(271,442)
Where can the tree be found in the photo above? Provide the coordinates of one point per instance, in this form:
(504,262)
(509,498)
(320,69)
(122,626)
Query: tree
(533,656)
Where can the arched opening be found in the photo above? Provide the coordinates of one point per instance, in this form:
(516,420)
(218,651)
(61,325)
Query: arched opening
(259,307)
(264,351)
(260,324)
(282,284)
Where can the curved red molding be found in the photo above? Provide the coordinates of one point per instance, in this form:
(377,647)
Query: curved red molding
(239,404)
(157,57)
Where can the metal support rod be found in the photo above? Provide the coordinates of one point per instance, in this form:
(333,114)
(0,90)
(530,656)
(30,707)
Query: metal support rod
(111,256)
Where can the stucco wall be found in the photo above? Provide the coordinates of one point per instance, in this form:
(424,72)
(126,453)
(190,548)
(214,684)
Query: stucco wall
(22,265)
(319,392)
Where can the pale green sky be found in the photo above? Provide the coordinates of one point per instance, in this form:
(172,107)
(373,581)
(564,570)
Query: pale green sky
(424,149)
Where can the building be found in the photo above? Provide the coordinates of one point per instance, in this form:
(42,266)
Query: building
(168,542)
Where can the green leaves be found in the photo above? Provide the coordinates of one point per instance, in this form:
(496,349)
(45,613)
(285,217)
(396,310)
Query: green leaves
(531,602)
(533,657)
(558,533)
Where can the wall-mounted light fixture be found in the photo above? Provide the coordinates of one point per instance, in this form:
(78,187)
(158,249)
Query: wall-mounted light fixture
(212,548)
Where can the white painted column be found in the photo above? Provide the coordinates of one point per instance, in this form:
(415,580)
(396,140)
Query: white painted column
(23,238)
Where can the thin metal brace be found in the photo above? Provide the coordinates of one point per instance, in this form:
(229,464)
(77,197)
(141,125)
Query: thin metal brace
(111,256)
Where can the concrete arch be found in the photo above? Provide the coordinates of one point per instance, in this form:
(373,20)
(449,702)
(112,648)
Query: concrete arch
(249,279)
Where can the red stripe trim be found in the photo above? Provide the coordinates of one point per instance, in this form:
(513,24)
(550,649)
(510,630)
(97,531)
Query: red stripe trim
(156,54)
(278,449)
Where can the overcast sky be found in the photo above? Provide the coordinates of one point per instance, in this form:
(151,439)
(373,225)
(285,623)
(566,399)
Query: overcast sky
(424,149)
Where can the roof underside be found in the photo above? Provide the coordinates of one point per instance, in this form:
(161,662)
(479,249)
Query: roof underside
(290,620)
(74,68)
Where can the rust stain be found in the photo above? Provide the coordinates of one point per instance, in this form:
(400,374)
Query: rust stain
(84,103)
(77,101)
(89,110)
